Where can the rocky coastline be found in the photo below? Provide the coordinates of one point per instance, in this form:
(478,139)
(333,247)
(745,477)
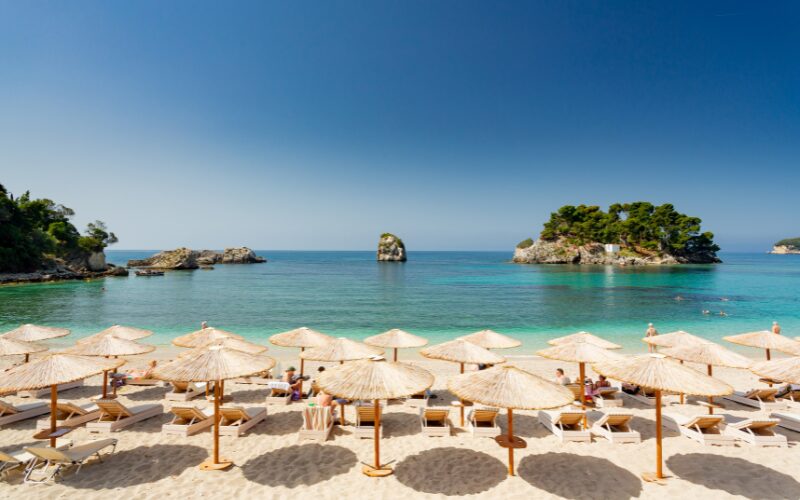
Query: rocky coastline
(185,258)
(562,252)
(79,267)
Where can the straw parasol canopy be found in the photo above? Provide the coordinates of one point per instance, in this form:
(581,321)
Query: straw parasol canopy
(673,339)
(375,379)
(766,340)
(109,345)
(11,347)
(509,387)
(585,337)
(303,338)
(659,373)
(123,332)
(50,371)
(341,349)
(490,339)
(35,333)
(234,343)
(579,352)
(462,351)
(784,370)
(202,336)
(396,339)
(215,363)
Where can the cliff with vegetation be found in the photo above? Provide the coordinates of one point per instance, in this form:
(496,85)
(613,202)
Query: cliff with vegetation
(787,246)
(39,243)
(391,249)
(627,234)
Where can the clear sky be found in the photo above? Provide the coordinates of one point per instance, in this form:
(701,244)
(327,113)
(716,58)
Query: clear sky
(456,125)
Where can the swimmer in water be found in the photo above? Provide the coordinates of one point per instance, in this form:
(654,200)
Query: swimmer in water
(706,312)
(724,299)
(678,297)
(723,313)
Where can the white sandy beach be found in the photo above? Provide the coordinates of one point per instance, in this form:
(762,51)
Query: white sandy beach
(271,463)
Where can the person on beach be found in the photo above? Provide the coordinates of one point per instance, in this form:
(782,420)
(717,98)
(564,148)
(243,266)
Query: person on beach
(650,332)
(295,382)
(204,325)
(561,378)
(776,328)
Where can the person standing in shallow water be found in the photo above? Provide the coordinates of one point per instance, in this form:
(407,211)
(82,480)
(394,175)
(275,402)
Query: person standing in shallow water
(776,328)
(651,332)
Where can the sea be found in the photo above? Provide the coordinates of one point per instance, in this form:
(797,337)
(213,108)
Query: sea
(438,295)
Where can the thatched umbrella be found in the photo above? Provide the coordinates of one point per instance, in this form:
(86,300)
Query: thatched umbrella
(108,346)
(490,339)
(659,373)
(123,332)
(766,340)
(234,343)
(215,363)
(375,379)
(396,339)
(585,337)
(513,389)
(581,353)
(51,371)
(462,352)
(341,350)
(202,336)
(303,338)
(11,347)
(783,370)
(35,333)
(710,354)
(673,339)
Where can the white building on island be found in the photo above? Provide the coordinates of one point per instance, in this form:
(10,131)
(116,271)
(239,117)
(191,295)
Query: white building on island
(611,248)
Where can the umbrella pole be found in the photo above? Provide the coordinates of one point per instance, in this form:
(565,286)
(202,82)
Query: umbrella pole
(53,409)
(215,462)
(27,357)
(105,384)
(681,393)
(377,470)
(395,354)
(302,367)
(659,474)
(510,440)
(582,388)
(710,398)
(768,383)
(461,407)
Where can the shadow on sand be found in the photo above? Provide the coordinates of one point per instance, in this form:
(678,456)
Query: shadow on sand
(744,478)
(310,464)
(578,477)
(143,464)
(451,471)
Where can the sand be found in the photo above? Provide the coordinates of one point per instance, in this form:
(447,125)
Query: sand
(271,463)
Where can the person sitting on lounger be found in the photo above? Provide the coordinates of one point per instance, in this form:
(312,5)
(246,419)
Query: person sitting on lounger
(630,388)
(295,382)
(786,389)
(561,378)
(118,379)
(593,389)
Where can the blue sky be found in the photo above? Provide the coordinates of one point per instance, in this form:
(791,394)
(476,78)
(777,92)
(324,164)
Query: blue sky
(457,125)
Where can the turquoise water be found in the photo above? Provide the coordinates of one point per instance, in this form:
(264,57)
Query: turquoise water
(439,295)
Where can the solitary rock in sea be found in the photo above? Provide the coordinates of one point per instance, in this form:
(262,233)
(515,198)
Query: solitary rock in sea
(391,249)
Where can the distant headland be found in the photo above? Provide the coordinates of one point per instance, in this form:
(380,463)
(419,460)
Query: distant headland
(787,246)
(627,234)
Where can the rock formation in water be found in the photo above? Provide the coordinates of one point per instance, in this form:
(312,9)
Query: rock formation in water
(391,249)
(787,246)
(185,258)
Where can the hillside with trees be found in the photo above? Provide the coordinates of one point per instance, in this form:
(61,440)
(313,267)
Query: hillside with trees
(37,234)
(645,234)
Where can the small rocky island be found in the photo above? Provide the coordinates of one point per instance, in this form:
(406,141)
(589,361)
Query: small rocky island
(185,258)
(627,234)
(391,249)
(788,246)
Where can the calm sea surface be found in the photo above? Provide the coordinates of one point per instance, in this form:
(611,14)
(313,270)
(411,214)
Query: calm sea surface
(439,295)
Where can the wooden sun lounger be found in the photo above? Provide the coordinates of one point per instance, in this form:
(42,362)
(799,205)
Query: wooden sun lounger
(567,425)
(615,426)
(787,420)
(187,420)
(235,420)
(792,399)
(705,429)
(648,398)
(608,397)
(278,393)
(755,431)
(185,391)
(10,413)
(482,422)
(41,393)
(418,400)
(317,423)
(114,416)
(435,421)
(55,460)
(14,459)
(71,415)
(763,399)
(365,422)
